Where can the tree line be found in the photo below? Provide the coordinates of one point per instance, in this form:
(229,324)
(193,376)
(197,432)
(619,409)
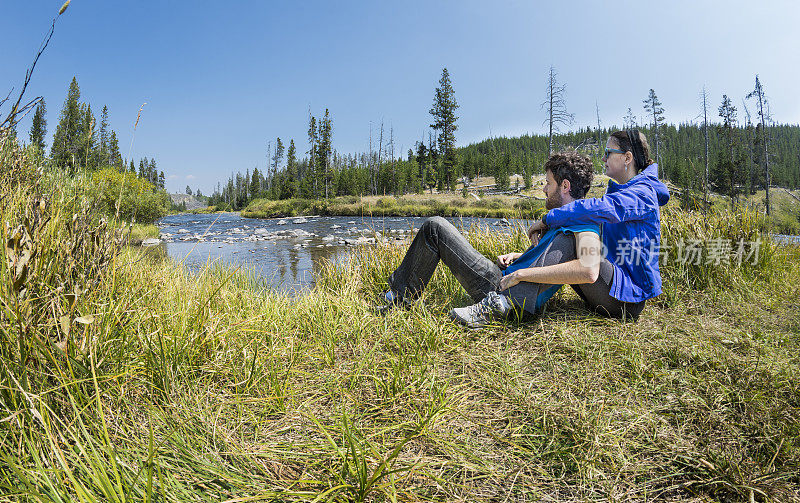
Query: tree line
(725,152)
(79,142)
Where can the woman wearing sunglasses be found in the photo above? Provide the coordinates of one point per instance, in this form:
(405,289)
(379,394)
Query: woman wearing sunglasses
(629,216)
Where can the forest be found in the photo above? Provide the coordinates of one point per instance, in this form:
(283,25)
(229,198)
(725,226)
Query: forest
(725,153)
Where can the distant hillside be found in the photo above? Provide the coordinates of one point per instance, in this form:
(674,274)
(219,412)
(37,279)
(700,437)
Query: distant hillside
(681,151)
(192,203)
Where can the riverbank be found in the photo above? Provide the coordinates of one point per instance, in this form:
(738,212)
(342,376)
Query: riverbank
(447,205)
(525,204)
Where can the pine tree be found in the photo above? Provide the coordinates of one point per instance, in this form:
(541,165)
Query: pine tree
(312,152)
(66,140)
(422,159)
(255,184)
(87,152)
(748,133)
(653,107)
(276,163)
(152,172)
(104,157)
(444,122)
(629,121)
(526,175)
(161,180)
(502,179)
(325,151)
(114,157)
(39,126)
(728,172)
(291,187)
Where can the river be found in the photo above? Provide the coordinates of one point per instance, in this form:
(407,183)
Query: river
(285,252)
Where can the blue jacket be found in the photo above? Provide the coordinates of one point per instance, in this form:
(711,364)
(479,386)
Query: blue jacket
(631,231)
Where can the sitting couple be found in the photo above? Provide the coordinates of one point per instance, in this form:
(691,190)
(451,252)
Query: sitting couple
(614,270)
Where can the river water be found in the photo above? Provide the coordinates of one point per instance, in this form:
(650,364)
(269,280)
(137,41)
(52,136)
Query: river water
(284,252)
(287,252)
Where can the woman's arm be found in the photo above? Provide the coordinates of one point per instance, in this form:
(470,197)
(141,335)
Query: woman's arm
(584,269)
(632,203)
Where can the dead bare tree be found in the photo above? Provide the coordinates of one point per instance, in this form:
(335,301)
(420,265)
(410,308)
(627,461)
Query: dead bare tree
(599,130)
(704,95)
(380,151)
(748,126)
(556,108)
(391,153)
(758,93)
(369,161)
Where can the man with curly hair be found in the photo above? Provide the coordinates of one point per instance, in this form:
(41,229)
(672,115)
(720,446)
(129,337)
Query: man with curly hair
(516,282)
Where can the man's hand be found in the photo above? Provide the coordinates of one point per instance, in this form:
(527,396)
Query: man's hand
(535,231)
(509,280)
(504,261)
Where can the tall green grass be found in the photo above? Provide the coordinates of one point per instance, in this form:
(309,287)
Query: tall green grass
(173,386)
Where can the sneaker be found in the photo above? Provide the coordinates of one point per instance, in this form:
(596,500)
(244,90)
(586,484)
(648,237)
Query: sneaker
(388,300)
(479,315)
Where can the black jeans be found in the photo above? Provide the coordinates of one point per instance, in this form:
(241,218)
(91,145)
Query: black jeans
(438,239)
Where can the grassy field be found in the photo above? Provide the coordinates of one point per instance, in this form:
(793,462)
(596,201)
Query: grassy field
(125,378)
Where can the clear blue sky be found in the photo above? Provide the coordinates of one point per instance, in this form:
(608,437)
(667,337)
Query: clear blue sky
(221,79)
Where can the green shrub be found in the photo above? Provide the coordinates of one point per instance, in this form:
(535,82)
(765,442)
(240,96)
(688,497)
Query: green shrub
(385,202)
(494,204)
(137,198)
(530,206)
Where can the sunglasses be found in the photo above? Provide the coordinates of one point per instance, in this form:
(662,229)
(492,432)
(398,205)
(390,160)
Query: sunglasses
(612,151)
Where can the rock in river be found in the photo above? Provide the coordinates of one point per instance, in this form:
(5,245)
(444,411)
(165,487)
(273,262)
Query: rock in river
(151,242)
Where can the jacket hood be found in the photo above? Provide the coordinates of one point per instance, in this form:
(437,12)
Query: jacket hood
(648,176)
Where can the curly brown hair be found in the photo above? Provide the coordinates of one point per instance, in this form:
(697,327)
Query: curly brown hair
(572,166)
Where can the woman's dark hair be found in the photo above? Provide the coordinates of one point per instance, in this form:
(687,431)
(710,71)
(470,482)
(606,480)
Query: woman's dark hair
(623,139)
(572,166)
